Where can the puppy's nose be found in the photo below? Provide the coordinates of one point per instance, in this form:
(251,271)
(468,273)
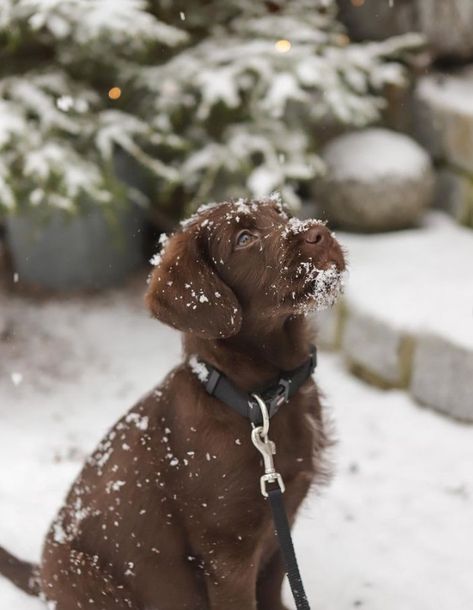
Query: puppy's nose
(317,234)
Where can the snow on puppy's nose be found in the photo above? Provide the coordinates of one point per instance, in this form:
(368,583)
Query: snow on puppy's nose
(295,226)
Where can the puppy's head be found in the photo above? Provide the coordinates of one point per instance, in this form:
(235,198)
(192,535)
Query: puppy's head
(243,258)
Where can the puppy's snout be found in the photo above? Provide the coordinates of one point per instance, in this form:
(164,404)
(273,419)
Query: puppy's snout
(318,235)
(320,245)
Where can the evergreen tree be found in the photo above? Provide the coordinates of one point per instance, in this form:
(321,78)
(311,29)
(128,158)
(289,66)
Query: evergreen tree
(218,99)
(58,129)
(244,97)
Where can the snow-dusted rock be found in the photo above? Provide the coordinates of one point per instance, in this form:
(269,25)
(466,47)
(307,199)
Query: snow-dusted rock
(443,109)
(454,194)
(376,180)
(448,26)
(443,376)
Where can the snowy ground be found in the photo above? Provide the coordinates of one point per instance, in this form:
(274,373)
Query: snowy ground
(393,532)
(433,263)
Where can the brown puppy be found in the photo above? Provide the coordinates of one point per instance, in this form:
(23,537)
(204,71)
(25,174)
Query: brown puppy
(167,513)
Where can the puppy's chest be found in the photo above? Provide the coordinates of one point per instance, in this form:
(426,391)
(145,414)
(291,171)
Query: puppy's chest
(219,470)
(159,471)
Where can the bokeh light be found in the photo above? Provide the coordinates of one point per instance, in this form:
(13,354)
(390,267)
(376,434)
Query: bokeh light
(115,93)
(283,46)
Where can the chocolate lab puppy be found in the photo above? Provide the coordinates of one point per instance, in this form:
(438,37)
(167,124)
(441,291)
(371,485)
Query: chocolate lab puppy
(167,513)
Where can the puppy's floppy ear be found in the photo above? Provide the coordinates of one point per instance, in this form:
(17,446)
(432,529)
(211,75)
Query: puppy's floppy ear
(185,291)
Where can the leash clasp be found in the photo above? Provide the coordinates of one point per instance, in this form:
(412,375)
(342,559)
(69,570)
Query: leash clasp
(267,448)
(281,396)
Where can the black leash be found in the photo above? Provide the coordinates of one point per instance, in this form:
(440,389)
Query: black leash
(259,407)
(274,494)
(287,548)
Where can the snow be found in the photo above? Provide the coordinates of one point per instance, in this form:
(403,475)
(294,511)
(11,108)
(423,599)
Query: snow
(374,154)
(392,531)
(122,21)
(40,139)
(328,285)
(59,534)
(141,422)
(296,225)
(198,368)
(452,92)
(418,279)
(17,378)
(155,260)
(11,122)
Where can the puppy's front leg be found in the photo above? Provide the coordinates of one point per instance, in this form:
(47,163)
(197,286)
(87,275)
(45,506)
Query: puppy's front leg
(270,581)
(231,583)
(77,582)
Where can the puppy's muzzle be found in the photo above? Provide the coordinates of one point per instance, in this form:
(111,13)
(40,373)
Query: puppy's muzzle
(321,246)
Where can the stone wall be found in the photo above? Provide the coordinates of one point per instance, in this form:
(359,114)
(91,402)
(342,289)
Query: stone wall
(408,324)
(446,24)
(439,113)
(443,123)
(405,320)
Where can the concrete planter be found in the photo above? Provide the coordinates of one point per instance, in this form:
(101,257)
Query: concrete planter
(86,251)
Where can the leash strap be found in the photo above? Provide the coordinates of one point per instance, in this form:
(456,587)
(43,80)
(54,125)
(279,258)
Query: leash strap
(287,548)
(272,488)
(259,407)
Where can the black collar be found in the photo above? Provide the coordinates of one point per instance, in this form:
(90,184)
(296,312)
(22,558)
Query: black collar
(274,395)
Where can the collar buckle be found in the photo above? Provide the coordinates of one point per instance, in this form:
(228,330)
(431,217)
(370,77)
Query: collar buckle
(274,396)
(280,397)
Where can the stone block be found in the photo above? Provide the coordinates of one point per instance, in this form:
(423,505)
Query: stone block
(443,117)
(454,194)
(328,324)
(448,26)
(376,349)
(443,376)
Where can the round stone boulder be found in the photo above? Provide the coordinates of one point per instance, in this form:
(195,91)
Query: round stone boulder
(376,180)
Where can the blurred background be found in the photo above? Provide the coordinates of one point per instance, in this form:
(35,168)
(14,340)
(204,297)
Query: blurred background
(118,118)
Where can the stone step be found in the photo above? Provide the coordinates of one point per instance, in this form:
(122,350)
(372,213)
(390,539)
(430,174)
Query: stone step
(454,194)
(443,123)
(443,117)
(406,319)
(446,24)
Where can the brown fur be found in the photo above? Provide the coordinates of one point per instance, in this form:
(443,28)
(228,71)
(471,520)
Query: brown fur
(167,513)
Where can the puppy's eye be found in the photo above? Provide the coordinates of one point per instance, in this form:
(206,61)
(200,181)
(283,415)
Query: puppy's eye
(244,238)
